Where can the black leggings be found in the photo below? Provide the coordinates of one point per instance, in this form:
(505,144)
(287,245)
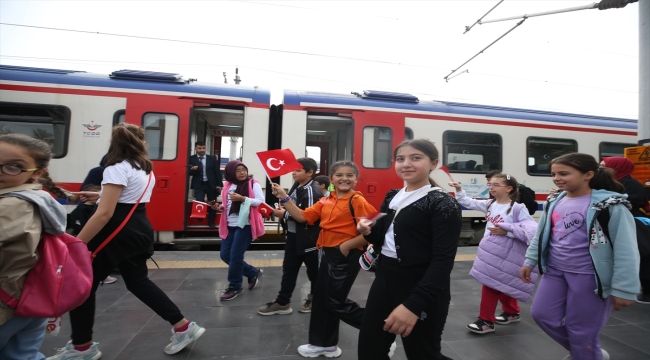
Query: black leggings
(134,272)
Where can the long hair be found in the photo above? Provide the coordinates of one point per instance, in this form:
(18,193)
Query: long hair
(41,153)
(604,178)
(426,146)
(509,180)
(128,143)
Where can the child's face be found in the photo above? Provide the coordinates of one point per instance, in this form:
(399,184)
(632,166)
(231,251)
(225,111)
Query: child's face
(16,156)
(570,179)
(301,176)
(412,165)
(499,189)
(241,172)
(344,179)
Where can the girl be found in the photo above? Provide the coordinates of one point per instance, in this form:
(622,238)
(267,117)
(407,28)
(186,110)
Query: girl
(240,226)
(340,246)
(127,178)
(410,295)
(25,212)
(586,272)
(509,230)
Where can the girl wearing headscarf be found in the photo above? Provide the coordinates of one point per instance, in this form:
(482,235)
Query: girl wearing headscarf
(636,193)
(240,223)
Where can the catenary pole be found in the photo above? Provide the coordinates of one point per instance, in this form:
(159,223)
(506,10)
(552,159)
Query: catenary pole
(644,73)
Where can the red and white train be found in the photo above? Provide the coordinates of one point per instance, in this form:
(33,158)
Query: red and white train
(75,110)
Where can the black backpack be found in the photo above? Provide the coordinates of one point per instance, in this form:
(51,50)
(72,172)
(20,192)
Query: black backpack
(527,197)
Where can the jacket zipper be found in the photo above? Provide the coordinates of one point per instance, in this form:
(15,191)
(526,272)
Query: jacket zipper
(591,227)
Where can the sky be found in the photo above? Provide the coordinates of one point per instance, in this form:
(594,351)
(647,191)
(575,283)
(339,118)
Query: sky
(582,62)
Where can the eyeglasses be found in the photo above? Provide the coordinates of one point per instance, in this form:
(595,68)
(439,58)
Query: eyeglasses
(241,171)
(14,170)
(495,185)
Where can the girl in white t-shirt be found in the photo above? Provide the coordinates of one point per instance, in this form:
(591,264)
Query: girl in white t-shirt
(128,177)
(508,231)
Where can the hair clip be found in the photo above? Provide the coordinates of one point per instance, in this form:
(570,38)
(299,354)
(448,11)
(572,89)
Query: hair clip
(507,177)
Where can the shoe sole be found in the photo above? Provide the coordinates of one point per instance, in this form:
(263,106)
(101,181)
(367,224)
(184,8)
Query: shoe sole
(278,312)
(476,331)
(304,311)
(98,356)
(335,354)
(197,335)
(507,322)
(643,302)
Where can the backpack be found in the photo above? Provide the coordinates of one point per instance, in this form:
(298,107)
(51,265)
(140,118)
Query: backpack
(642,232)
(60,281)
(527,197)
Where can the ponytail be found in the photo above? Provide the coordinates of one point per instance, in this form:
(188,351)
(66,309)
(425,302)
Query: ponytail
(46,181)
(605,178)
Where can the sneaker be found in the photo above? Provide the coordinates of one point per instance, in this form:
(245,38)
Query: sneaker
(306,307)
(110,280)
(181,339)
(252,282)
(231,293)
(69,353)
(393,347)
(481,327)
(603,351)
(273,308)
(312,351)
(643,299)
(506,318)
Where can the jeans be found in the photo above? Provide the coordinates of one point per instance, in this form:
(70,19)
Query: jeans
(200,193)
(232,252)
(20,338)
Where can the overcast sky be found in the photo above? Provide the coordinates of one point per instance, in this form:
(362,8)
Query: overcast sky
(579,62)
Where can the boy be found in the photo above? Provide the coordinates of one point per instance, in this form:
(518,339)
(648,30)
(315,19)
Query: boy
(300,245)
(324,183)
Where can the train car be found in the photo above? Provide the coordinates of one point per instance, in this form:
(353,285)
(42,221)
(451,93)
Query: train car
(75,110)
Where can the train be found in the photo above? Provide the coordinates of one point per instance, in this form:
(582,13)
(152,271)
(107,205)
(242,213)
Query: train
(74,111)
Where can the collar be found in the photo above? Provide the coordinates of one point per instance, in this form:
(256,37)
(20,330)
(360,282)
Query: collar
(22,187)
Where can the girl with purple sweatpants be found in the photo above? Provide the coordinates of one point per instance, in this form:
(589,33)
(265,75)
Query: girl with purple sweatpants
(587,267)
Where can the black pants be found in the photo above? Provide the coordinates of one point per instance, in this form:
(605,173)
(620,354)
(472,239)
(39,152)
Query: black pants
(644,274)
(392,286)
(200,193)
(336,274)
(134,272)
(291,268)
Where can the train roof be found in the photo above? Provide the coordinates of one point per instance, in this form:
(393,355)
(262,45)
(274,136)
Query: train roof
(133,80)
(399,102)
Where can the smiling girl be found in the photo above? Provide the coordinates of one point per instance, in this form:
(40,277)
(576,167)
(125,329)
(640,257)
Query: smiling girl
(587,269)
(508,231)
(340,246)
(410,295)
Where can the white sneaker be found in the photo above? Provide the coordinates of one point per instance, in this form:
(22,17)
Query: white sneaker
(312,351)
(181,339)
(393,347)
(69,353)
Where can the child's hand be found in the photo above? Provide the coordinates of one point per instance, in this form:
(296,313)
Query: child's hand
(496,230)
(619,303)
(216,206)
(524,274)
(456,185)
(364,226)
(87,195)
(401,321)
(279,213)
(279,192)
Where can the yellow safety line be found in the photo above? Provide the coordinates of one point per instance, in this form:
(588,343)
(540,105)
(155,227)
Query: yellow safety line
(213,264)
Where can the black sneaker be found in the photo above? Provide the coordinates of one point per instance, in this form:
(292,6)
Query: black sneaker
(506,318)
(643,299)
(481,326)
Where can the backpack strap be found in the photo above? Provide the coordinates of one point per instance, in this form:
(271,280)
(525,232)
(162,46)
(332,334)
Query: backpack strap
(93,254)
(352,209)
(603,220)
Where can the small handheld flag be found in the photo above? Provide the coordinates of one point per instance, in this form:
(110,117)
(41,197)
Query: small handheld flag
(278,162)
(266,210)
(199,209)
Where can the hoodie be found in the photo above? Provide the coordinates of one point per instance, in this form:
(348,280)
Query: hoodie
(615,259)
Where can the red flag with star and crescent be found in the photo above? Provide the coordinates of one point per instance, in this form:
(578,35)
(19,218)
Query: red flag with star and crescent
(199,209)
(278,162)
(266,210)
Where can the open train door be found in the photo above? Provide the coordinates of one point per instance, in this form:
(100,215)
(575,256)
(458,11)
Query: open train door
(375,136)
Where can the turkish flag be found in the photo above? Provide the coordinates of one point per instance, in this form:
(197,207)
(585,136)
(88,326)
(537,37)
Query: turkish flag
(278,162)
(199,209)
(266,210)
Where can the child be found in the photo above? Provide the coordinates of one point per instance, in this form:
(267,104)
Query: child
(586,272)
(240,223)
(340,246)
(508,231)
(128,177)
(300,246)
(324,183)
(25,212)
(410,295)
(82,213)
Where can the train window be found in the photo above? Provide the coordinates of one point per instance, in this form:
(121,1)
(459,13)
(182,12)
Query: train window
(119,117)
(540,151)
(409,134)
(161,133)
(377,143)
(471,152)
(49,123)
(607,149)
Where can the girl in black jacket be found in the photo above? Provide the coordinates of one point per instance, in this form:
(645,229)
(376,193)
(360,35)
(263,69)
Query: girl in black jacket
(410,295)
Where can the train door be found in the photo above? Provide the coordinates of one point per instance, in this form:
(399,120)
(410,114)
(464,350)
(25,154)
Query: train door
(375,136)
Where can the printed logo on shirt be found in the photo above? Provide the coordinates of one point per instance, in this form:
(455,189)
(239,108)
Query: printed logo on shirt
(494,219)
(566,225)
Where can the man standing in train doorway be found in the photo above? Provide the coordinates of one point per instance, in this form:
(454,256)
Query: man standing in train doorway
(206,178)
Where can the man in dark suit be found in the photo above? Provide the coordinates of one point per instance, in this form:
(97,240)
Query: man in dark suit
(206,177)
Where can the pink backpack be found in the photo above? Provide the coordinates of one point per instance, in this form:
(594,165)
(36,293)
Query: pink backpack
(60,281)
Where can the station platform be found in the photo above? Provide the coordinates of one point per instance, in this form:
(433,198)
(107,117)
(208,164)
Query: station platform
(194,280)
